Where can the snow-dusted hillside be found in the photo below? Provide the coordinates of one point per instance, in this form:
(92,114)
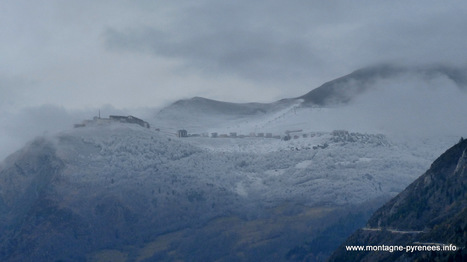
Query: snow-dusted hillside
(273,176)
(337,167)
(198,113)
(122,183)
(380,99)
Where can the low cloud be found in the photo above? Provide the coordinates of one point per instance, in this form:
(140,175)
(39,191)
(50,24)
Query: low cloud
(297,42)
(410,105)
(89,53)
(19,127)
(258,56)
(82,54)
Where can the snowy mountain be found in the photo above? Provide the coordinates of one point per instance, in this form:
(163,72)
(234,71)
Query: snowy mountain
(347,88)
(122,189)
(200,113)
(249,182)
(376,99)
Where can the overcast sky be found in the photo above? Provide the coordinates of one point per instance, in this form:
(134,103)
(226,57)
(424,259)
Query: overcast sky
(80,55)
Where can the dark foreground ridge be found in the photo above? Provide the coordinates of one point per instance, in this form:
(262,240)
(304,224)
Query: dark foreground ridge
(432,211)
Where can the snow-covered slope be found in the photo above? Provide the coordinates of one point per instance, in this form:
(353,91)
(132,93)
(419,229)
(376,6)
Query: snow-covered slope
(382,99)
(199,114)
(120,190)
(101,187)
(314,169)
(349,87)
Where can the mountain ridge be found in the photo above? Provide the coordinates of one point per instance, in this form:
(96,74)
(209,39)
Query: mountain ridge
(358,102)
(126,188)
(343,90)
(433,207)
(123,189)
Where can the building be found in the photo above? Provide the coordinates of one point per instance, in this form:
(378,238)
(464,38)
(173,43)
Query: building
(182,133)
(97,120)
(340,133)
(130,119)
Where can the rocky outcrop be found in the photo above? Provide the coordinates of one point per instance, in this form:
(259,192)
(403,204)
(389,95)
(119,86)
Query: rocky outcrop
(430,210)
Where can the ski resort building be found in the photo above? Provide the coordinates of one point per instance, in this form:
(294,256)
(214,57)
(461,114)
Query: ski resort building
(129,119)
(182,133)
(97,120)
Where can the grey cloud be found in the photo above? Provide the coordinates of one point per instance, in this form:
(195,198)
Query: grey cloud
(259,40)
(295,41)
(410,105)
(250,54)
(129,53)
(12,90)
(432,38)
(19,127)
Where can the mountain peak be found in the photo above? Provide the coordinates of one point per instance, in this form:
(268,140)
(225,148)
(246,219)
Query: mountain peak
(344,89)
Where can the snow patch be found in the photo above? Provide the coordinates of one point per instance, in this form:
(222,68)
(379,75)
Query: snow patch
(303,164)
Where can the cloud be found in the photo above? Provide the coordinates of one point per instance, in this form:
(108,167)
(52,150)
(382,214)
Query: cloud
(19,127)
(292,42)
(86,54)
(253,55)
(266,49)
(412,106)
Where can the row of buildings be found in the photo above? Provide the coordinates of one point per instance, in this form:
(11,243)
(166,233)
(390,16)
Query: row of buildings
(288,135)
(184,133)
(97,120)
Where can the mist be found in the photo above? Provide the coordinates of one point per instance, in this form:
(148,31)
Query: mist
(90,53)
(409,105)
(63,61)
(19,127)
